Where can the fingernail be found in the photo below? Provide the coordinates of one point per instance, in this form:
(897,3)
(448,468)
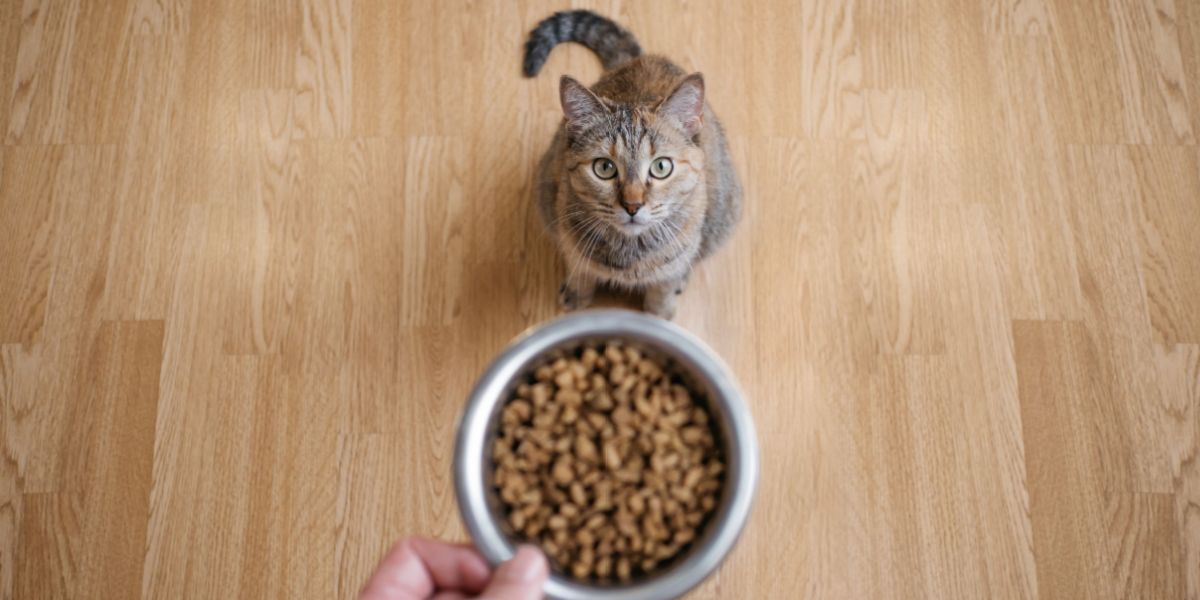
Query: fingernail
(529,564)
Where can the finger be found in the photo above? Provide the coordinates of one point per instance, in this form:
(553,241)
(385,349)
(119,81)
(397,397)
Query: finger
(520,578)
(415,568)
(454,566)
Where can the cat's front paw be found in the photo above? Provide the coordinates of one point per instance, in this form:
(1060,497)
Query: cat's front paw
(662,299)
(661,305)
(571,299)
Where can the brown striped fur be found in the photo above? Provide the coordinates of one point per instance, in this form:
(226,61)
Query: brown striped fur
(644,108)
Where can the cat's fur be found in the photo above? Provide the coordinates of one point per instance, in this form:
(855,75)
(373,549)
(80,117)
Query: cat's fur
(632,231)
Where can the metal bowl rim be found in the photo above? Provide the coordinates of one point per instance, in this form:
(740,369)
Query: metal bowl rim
(623,324)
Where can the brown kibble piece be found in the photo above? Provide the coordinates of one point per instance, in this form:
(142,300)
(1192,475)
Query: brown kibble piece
(585,537)
(595,522)
(624,570)
(604,567)
(585,448)
(617,374)
(541,394)
(564,379)
(683,536)
(578,495)
(581,570)
(589,358)
(612,456)
(637,504)
(692,435)
(562,470)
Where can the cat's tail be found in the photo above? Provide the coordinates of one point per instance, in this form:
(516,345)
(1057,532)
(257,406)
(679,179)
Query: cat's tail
(613,44)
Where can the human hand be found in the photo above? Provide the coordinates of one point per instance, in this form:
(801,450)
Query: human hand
(421,569)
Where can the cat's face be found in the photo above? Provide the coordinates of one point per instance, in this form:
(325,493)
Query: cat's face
(632,169)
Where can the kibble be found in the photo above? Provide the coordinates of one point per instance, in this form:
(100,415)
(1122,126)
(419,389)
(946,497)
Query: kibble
(607,461)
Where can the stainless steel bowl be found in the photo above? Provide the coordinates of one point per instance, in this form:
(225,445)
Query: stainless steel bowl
(476,429)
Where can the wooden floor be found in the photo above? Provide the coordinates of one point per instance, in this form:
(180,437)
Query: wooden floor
(254,252)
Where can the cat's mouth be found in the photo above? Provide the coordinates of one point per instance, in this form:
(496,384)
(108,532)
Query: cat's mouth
(633,228)
(636,223)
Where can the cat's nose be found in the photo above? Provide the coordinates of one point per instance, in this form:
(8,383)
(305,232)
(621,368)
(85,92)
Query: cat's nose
(631,197)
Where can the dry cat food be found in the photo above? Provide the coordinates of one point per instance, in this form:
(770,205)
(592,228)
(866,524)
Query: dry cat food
(605,460)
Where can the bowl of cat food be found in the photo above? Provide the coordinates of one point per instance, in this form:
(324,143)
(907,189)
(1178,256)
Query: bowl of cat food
(616,442)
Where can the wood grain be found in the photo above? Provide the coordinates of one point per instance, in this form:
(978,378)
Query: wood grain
(253,255)
(91,534)
(27,202)
(1179,377)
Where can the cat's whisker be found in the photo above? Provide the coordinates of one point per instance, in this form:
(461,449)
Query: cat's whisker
(566,215)
(589,237)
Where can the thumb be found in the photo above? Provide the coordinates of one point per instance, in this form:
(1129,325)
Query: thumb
(520,578)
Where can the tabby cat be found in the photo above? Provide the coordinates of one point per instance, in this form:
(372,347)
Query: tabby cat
(637,185)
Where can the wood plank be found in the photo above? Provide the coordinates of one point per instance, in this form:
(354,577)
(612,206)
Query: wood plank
(149,221)
(1179,377)
(1102,187)
(1057,374)
(323,70)
(1016,17)
(1187,28)
(1156,106)
(1145,546)
(73,298)
(90,538)
(1166,213)
(49,565)
(263,228)
(38,91)
(375,508)
(27,239)
(159,17)
(18,381)
(1030,214)
(888,35)
(1091,539)
(431,219)
(830,71)
(1086,95)
(18,377)
(967,164)
(890,204)
(409,84)
(10,525)
(108,454)
(201,526)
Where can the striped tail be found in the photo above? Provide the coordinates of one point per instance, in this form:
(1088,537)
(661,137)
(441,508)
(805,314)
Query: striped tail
(609,41)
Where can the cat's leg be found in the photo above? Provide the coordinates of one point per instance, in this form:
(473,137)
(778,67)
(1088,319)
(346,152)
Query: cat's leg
(577,292)
(662,298)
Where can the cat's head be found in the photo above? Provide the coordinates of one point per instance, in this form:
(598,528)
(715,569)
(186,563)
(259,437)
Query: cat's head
(633,168)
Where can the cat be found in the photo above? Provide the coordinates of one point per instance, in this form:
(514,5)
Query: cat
(637,185)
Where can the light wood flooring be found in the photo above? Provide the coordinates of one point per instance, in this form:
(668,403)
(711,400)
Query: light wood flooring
(253,254)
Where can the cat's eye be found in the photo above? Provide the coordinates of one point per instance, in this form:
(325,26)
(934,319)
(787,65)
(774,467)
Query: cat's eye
(661,167)
(604,168)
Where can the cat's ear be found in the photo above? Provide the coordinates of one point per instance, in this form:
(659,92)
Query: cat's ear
(580,106)
(685,105)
